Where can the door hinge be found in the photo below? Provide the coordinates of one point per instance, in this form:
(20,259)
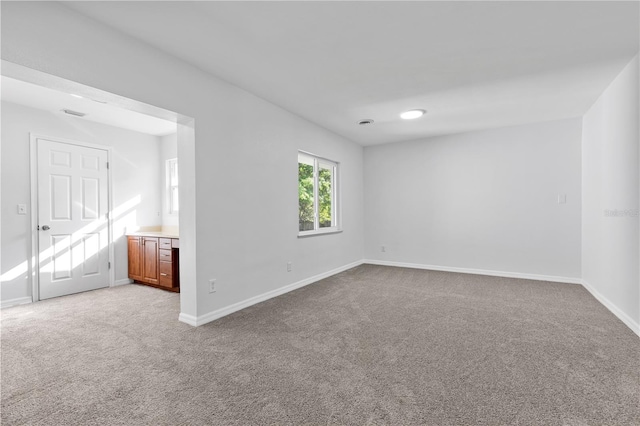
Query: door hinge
(107,215)
(107,164)
(109,265)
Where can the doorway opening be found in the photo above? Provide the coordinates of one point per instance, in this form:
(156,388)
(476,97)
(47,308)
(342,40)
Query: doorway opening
(98,202)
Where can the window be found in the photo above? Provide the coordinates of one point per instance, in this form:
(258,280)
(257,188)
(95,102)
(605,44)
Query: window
(172,186)
(317,195)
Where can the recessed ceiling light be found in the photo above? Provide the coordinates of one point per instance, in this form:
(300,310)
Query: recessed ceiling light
(76,96)
(414,113)
(365,122)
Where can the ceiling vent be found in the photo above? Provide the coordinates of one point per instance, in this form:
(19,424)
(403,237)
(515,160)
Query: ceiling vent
(72,112)
(365,122)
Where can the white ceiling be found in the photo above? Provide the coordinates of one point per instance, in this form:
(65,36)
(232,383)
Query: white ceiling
(472,65)
(54,101)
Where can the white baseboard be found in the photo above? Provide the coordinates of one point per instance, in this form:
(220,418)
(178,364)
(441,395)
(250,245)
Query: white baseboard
(211,316)
(189,319)
(629,322)
(123,281)
(537,277)
(15,302)
(626,319)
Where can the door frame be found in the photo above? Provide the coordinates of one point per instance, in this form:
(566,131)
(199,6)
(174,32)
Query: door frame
(35,249)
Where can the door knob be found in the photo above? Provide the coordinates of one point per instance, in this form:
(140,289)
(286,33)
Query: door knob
(45,227)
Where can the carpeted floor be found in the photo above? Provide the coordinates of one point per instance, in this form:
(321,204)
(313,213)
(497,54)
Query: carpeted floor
(372,345)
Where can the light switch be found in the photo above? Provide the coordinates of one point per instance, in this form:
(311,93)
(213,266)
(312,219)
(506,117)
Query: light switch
(562,198)
(22,209)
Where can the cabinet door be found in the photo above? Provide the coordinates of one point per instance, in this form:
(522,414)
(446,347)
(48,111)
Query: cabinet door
(135,257)
(150,260)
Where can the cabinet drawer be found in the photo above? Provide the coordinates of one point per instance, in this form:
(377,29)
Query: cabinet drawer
(165,255)
(166,281)
(166,269)
(165,243)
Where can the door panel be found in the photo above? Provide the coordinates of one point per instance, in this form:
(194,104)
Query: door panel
(60,197)
(90,198)
(72,218)
(61,262)
(90,252)
(60,158)
(150,260)
(135,257)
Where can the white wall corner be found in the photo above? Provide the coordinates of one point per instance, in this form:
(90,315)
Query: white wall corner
(626,319)
(15,302)
(219,313)
(123,281)
(526,276)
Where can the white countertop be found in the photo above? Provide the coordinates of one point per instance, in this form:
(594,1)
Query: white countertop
(159,234)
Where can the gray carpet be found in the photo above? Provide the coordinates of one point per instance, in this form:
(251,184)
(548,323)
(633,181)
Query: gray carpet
(372,345)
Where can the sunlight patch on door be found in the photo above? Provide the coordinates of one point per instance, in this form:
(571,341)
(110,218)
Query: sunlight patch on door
(91,254)
(61,259)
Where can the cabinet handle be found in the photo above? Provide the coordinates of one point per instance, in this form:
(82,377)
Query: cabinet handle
(163,274)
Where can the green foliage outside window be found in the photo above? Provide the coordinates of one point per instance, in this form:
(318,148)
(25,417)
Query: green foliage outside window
(306,197)
(324,198)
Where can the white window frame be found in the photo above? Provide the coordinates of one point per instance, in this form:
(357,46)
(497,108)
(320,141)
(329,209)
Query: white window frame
(336,225)
(169,187)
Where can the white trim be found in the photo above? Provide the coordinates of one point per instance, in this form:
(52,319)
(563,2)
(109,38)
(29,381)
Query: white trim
(189,319)
(168,188)
(212,316)
(35,260)
(322,231)
(110,221)
(123,281)
(15,302)
(33,266)
(537,277)
(626,319)
(219,313)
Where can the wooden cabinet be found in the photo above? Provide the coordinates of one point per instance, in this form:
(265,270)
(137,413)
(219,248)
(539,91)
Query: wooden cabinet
(154,261)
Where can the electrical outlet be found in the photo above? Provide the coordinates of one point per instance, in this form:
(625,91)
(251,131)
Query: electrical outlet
(212,285)
(383,249)
(22,209)
(289,266)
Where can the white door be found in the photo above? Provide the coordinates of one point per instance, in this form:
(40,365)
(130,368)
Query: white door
(72,218)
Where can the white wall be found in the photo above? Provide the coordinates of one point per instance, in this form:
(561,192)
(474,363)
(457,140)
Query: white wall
(245,167)
(168,150)
(484,200)
(610,181)
(134,170)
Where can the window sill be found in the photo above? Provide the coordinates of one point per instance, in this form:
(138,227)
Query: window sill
(306,234)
